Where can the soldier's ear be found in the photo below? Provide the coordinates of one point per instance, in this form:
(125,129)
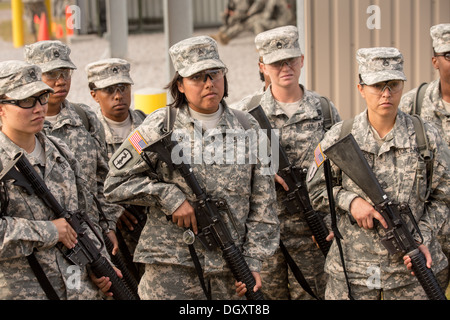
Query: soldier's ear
(361,91)
(180,86)
(435,62)
(94,95)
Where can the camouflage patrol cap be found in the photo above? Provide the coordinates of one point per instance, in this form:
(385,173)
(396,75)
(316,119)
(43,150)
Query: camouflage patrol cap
(380,64)
(49,55)
(194,55)
(278,44)
(441,37)
(20,80)
(108,72)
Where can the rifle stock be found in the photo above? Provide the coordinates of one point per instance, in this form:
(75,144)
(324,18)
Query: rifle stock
(347,155)
(297,198)
(213,232)
(85,251)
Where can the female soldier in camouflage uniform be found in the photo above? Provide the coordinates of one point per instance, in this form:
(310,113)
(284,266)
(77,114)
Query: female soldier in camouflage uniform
(297,113)
(198,88)
(387,139)
(27,225)
(435,106)
(75,124)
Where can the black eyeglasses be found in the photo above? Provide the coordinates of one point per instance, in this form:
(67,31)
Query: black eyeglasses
(29,102)
(446,55)
(122,87)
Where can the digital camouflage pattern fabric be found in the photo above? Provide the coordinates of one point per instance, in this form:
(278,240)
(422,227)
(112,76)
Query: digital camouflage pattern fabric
(250,194)
(440,34)
(26,227)
(194,55)
(278,44)
(20,80)
(298,136)
(90,149)
(49,55)
(394,164)
(380,64)
(108,72)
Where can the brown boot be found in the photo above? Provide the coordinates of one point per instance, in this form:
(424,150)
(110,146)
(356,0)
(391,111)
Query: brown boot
(215,37)
(224,39)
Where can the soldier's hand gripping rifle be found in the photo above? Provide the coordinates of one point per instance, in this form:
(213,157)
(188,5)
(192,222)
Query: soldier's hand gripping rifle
(347,155)
(212,230)
(85,251)
(297,198)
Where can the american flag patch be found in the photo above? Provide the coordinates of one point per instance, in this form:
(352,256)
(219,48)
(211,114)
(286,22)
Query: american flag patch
(319,156)
(137,142)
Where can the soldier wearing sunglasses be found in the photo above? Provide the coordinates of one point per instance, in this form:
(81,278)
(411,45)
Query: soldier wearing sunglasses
(175,263)
(388,140)
(435,107)
(28,227)
(75,124)
(110,84)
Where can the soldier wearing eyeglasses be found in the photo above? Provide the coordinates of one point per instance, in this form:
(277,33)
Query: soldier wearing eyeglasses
(198,88)
(75,124)
(297,113)
(28,227)
(387,138)
(110,84)
(436,102)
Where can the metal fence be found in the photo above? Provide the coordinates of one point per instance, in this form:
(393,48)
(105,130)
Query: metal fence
(147,15)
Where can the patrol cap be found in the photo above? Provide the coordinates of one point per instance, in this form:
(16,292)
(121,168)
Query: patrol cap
(194,55)
(441,37)
(108,72)
(380,64)
(20,80)
(49,55)
(278,44)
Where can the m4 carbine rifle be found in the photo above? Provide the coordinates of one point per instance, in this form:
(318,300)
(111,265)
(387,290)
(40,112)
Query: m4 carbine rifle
(213,232)
(85,251)
(297,198)
(347,155)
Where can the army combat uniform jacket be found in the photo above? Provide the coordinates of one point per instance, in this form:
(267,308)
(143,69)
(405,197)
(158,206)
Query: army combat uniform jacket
(26,227)
(250,194)
(433,109)
(299,135)
(113,142)
(90,150)
(394,165)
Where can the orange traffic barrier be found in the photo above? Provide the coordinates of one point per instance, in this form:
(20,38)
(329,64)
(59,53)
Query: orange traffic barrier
(43,28)
(69,29)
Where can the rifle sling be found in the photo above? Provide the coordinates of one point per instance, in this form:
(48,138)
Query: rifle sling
(42,278)
(198,268)
(171,114)
(334,227)
(296,271)
(34,264)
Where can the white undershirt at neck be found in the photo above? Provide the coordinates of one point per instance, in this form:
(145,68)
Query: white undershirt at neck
(121,129)
(289,107)
(52,119)
(38,153)
(209,120)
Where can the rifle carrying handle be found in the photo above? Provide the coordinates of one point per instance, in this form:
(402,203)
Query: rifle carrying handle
(426,276)
(241,271)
